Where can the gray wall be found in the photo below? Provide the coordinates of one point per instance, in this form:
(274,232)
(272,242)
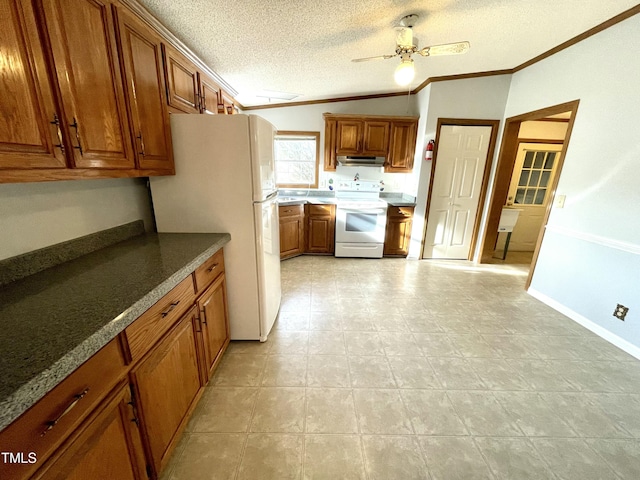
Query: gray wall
(36,215)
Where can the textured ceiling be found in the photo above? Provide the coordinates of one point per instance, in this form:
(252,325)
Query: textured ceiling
(305,47)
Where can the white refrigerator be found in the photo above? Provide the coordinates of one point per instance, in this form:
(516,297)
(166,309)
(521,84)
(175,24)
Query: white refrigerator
(225,182)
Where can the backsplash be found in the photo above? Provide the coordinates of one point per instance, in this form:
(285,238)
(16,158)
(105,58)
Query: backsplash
(393,182)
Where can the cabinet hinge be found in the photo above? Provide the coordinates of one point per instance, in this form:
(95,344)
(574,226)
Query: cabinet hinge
(132,404)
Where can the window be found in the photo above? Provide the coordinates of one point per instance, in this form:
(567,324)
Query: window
(534,177)
(296,155)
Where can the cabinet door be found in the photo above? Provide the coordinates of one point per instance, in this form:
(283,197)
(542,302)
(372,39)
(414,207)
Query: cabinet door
(82,38)
(291,234)
(167,383)
(402,147)
(330,134)
(29,135)
(349,137)
(215,323)
(108,447)
(144,78)
(321,224)
(225,104)
(209,94)
(182,81)
(376,138)
(398,232)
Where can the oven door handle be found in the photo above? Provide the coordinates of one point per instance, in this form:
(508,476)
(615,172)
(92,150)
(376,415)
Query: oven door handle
(363,210)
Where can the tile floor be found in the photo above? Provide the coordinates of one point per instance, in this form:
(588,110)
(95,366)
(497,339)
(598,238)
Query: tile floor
(396,369)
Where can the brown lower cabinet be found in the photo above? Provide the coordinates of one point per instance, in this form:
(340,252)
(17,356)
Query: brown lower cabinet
(167,383)
(122,412)
(108,446)
(398,231)
(321,226)
(291,230)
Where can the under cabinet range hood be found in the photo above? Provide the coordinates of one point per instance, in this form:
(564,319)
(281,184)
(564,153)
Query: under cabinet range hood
(360,161)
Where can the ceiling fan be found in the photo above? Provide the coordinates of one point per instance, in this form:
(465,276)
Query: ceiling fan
(405,48)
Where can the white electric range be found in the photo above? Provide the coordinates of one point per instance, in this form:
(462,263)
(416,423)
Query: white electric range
(361,219)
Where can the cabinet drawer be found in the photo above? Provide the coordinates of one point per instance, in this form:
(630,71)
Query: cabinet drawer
(209,271)
(142,334)
(399,211)
(43,427)
(320,209)
(290,210)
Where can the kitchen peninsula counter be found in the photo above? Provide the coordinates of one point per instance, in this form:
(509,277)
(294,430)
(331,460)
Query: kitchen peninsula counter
(54,320)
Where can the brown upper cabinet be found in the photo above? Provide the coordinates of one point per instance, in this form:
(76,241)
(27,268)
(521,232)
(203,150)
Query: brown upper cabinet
(362,137)
(93,115)
(30,134)
(381,136)
(402,146)
(182,81)
(191,90)
(141,53)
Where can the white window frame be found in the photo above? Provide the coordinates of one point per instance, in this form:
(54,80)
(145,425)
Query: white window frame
(302,135)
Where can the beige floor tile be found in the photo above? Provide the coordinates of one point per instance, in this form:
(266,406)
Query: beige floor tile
(583,416)
(436,345)
(272,457)
(363,343)
(279,409)
(534,416)
(331,457)
(454,458)
(513,458)
(224,409)
(381,412)
(326,343)
(328,371)
(399,343)
(393,457)
(330,410)
(497,374)
(413,372)
(322,321)
(572,459)
(370,372)
(432,413)
(296,318)
(285,371)
(482,414)
(456,373)
(289,343)
(623,456)
(211,456)
(249,347)
(239,370)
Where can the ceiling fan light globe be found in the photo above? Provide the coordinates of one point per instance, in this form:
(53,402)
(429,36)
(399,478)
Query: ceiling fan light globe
(405,72)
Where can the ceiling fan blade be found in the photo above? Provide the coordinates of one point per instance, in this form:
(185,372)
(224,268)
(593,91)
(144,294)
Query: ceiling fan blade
(379,57)
(446,49)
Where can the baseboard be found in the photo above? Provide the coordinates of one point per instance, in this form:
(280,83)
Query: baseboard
(602,332)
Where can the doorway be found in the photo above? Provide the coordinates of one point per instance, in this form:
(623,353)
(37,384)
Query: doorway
(459,175)
(503,187)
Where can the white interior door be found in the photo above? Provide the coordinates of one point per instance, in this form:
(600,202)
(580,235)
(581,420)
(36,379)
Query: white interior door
(462,156)
(533,173)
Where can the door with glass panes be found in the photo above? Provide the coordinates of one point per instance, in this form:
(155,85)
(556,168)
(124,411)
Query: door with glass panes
(529,191)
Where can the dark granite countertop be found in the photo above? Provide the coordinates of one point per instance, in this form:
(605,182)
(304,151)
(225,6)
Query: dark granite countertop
(52,321)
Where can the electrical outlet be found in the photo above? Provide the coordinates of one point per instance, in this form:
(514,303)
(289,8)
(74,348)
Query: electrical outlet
(559,201)
(620,312)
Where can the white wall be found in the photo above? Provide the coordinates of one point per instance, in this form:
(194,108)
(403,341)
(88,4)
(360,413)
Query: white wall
(36,215)
(309,118)
(589,259)
(474,98)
